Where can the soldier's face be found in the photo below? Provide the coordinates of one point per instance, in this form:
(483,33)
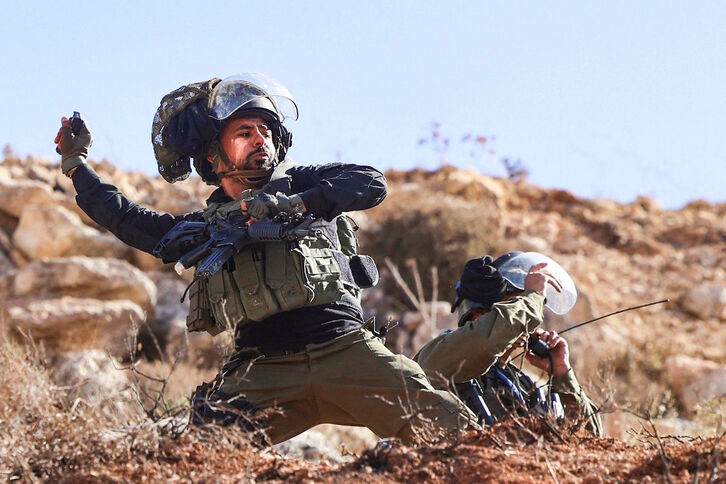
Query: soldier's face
(248,144)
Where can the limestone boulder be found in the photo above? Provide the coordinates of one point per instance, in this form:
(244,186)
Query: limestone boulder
(328,442)
(707,300)
(95,277)
(53,231)
(472,185)
(41,172)
(420,336)
(695,380)
(170,287)
(177,199)
(73,324)
(17,195)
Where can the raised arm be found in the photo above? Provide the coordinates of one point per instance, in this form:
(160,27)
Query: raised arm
(134,225)
(471,349)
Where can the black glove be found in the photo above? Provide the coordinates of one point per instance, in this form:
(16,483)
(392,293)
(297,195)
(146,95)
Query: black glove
(73,147)
(481,282)
(265,205)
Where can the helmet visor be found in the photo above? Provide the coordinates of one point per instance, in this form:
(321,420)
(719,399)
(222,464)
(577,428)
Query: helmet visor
(515,271)
(234,93)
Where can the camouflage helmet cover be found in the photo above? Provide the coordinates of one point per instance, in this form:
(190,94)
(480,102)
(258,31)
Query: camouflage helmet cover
(174,166)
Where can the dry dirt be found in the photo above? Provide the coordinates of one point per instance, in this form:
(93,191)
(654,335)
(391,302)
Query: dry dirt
(506,453)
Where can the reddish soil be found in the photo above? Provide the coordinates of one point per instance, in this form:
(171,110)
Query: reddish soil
(508,453)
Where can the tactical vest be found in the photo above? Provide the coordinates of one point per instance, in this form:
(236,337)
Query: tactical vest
(272,277)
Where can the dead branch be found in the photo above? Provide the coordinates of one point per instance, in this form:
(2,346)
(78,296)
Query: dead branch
(434,298)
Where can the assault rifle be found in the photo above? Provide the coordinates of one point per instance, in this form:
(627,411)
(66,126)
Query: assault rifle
(208,246)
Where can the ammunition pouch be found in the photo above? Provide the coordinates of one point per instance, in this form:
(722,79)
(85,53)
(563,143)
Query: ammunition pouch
(268,278)
(200,313)
(273,277)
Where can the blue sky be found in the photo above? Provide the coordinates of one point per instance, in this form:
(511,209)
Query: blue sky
(609,99)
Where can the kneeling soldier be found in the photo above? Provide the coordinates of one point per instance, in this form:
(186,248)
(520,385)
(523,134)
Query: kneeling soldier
(300,346)
(498,303)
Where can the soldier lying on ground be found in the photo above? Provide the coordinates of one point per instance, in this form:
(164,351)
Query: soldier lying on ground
(300,343)
(492,311)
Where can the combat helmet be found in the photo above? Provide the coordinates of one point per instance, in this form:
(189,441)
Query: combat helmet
(481,284)
(485,281)
(189,119)
(251,95)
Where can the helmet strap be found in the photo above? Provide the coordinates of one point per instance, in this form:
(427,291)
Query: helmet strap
(219,155)
(251,178)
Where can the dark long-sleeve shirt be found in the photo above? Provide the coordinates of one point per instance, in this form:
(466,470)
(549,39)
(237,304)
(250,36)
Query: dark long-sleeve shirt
(326,190)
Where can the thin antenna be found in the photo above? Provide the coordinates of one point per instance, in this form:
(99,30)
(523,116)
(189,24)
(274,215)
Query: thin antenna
(599,318)
(614,313)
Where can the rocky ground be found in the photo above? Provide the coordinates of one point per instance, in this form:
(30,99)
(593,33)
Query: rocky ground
(87,321)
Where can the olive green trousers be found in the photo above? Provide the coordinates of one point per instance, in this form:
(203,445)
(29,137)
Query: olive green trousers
(351,380)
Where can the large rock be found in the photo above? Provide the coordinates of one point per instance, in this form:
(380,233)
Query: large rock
(72,324)
(100,278)
(472,185)
(328,442)
(16,195)
(706,301)
(177,199)
(694,380)
(41,172)
(53,231)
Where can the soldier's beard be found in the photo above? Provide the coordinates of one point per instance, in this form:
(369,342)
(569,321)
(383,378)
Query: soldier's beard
(252,177)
